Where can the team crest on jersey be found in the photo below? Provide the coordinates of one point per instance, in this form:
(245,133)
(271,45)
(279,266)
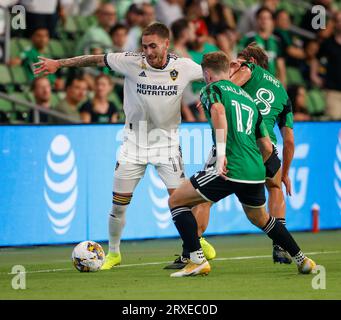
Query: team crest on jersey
(143,66)
(174,74)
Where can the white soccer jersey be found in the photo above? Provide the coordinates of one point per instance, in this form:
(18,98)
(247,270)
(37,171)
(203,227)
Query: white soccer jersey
(152,97)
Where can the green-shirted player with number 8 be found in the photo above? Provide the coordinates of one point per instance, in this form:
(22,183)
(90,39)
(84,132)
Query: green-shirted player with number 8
(242,146)
(271,98)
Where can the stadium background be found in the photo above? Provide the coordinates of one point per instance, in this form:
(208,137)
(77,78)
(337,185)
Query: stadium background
(33,181)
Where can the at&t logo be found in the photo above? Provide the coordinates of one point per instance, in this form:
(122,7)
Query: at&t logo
(60,190)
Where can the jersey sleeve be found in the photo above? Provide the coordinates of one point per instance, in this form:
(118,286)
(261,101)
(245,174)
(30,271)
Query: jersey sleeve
(209,96)
(286,117)
(261,131)
(119,62)
(193,70)
(248,64)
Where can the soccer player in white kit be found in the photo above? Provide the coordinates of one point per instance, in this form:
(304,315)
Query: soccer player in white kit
(153,87)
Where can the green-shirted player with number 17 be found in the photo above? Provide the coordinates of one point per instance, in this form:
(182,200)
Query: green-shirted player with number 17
(242,145)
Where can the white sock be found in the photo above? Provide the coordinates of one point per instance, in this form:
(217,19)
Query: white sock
(298,258)
(197,256)
(117,220)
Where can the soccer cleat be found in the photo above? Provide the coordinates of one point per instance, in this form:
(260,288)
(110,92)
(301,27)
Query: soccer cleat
(208,249)
(111,260)
(178,263)
(193,269)
(307,266)
(280,255)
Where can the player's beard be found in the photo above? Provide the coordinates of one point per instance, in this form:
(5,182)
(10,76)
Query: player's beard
(156,61)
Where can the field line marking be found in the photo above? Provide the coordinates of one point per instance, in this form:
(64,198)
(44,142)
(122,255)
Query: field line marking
(163,262)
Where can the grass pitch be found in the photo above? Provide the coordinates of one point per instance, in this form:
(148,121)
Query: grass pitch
(243,270)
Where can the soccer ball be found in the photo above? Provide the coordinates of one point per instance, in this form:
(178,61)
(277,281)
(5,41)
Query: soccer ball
(88,256)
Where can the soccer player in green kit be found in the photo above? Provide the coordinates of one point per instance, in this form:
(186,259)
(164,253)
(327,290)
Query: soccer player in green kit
(272,100)
(249,72)
(242,146)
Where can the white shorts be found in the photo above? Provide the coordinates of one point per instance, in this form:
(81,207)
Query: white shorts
(128,174)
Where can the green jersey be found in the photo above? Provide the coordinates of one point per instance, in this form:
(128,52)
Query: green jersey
(29,57)
(245,125)
(271,99)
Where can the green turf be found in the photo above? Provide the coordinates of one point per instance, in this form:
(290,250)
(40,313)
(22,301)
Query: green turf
(253,278)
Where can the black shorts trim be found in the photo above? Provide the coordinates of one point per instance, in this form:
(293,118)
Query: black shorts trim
(213,188)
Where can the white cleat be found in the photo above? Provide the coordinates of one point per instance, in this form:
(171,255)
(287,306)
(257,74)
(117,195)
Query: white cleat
(193,269)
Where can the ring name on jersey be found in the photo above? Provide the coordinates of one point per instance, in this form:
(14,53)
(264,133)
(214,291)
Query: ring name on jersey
(157,90)
(272,80)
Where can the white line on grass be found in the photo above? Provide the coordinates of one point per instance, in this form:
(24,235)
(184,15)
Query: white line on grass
(164,262)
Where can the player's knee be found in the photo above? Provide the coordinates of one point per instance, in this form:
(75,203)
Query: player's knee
(119,204)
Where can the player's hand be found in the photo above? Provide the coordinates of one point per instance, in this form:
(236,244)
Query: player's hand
(199,106)
(46,66)
(287,183)
(220,166)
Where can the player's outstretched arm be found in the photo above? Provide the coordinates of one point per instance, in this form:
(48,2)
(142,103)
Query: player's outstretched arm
(47,66)
(241,75)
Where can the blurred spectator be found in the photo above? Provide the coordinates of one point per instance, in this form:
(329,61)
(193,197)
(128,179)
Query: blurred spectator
(292,45)
(197,49)
(41,14)
(98,37)
(307,19)
(220,17)
(134,20)
(221,25)
(149,14)
(40,41)
(183,34)
(119,36)
(79,7)
(247,21)
(100,109)
(76,90)
(298,96)
(168,11)
(331,51)
(311,48)
(265,38)
(41,89)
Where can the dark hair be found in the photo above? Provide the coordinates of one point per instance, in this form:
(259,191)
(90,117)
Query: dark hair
(70,80)
(216,61)
(35,81)
(116,27)
(279,11)
(157,28)
(256,52)
(262,9)
(178,27)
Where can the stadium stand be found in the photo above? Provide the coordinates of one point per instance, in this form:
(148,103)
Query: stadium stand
(15,83)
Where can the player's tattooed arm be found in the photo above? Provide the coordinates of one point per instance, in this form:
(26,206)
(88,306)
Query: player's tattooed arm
(83,61)
(47,66)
